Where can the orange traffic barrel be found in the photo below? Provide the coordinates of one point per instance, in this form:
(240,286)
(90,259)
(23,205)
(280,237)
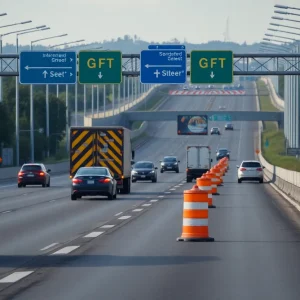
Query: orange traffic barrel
(218,174)
(214,182)
(222,168)
(205,184)
(195,216)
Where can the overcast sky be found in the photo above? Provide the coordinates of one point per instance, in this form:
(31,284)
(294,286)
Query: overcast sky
(197,21)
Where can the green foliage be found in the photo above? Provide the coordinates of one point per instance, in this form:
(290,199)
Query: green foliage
(57,120)
(274,153)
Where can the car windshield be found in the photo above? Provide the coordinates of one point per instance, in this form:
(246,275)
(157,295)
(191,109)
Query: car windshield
(143,165)
(92,171)
(31,168)
(251,164)
(223,150)
(215,128)
(229,124)
(169,159)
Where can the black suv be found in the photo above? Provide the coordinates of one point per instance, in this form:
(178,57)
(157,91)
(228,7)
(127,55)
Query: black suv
(229,126)
(215,130)
(169,163)
(221,153)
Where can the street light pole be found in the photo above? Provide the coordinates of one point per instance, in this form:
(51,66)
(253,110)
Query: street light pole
(47,91)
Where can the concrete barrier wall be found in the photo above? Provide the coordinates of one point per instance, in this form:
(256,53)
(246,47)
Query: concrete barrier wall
(140,131)
(285,180)
(276,100)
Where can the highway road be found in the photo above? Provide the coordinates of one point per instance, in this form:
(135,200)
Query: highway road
(135,254)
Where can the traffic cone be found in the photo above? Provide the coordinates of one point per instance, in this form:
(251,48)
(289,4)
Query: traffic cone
(218,174)
(195,216)
(214,182)
(204,184)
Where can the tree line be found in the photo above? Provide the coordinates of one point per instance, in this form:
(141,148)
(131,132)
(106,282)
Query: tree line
(57,117)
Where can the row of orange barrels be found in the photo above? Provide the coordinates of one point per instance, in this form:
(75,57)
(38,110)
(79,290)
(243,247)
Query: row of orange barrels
(198,200)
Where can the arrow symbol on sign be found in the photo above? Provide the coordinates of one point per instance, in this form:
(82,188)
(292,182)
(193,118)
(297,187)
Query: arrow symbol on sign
(100,75)
(163,66)
(45,73)
(71,59)
(71,74)
(29,68)
(212,75)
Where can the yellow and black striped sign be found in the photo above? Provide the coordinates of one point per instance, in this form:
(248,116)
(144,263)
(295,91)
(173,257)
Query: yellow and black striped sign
(110,150)
(97,148)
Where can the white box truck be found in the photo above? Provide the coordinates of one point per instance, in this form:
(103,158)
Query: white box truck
(198,161)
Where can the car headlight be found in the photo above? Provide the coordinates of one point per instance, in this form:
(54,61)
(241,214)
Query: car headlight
(152,172)
(175,163)
(133,172)
(162,163)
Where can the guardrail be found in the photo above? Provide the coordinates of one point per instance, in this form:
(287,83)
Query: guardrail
(285,180)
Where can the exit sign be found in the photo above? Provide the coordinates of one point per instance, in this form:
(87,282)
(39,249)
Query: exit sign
(100,67)
(211,67)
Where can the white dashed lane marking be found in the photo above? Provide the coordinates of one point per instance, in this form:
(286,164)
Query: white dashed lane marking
(49,246)
(172,189)
(93,234)
(107,226)
(167,192)
(124,217)
(161,196)
(14,277)
(66,250)
(147,204)
(6,212)
(138,209)
(118,214)
(153,200)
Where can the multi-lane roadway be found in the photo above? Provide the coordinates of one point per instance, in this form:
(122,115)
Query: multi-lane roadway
(127,249)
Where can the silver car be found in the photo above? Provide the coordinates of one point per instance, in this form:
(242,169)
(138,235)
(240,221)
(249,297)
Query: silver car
(250,170)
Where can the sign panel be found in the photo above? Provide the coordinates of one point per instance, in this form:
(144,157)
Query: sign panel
(293,151)
(100,67)
(192,125)
(220,118)
(211,67)
(163,66)
(47,67)
(172,47)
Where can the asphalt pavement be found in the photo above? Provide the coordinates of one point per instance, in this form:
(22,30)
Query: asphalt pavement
(127,249)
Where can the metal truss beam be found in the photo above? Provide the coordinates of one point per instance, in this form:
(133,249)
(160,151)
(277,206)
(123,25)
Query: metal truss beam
(244,64)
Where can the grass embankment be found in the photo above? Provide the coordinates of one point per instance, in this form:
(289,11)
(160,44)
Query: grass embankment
(273,140)
(150,105)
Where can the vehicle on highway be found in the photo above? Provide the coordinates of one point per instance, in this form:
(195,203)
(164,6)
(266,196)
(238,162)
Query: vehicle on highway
(250,170)
(222,107)
(210,86)
(198,161)
(103,146)
(34,174)
(185,87)
(93,181)
(221,153)
(169,163)
(215,130)
(229,126)
(144,171)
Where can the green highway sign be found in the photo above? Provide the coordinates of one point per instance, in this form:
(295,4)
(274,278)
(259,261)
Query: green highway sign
(100,67)
(211,67)
(220,118)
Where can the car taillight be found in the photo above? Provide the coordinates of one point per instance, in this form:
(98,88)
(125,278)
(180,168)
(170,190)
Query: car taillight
(106,180)
(76,180)
(259,169)
(20,173)
(42,174)
(243,169)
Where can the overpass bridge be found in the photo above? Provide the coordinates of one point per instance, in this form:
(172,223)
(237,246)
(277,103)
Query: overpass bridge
(131,116)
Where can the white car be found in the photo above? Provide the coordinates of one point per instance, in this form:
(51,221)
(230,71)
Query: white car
(185,87)
(250,170)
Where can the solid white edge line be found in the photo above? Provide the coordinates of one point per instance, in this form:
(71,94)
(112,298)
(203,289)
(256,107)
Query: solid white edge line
(124,217)
(94,234)
(16,276)
(137,209)
(49,246)
(66,250)
(118,214)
